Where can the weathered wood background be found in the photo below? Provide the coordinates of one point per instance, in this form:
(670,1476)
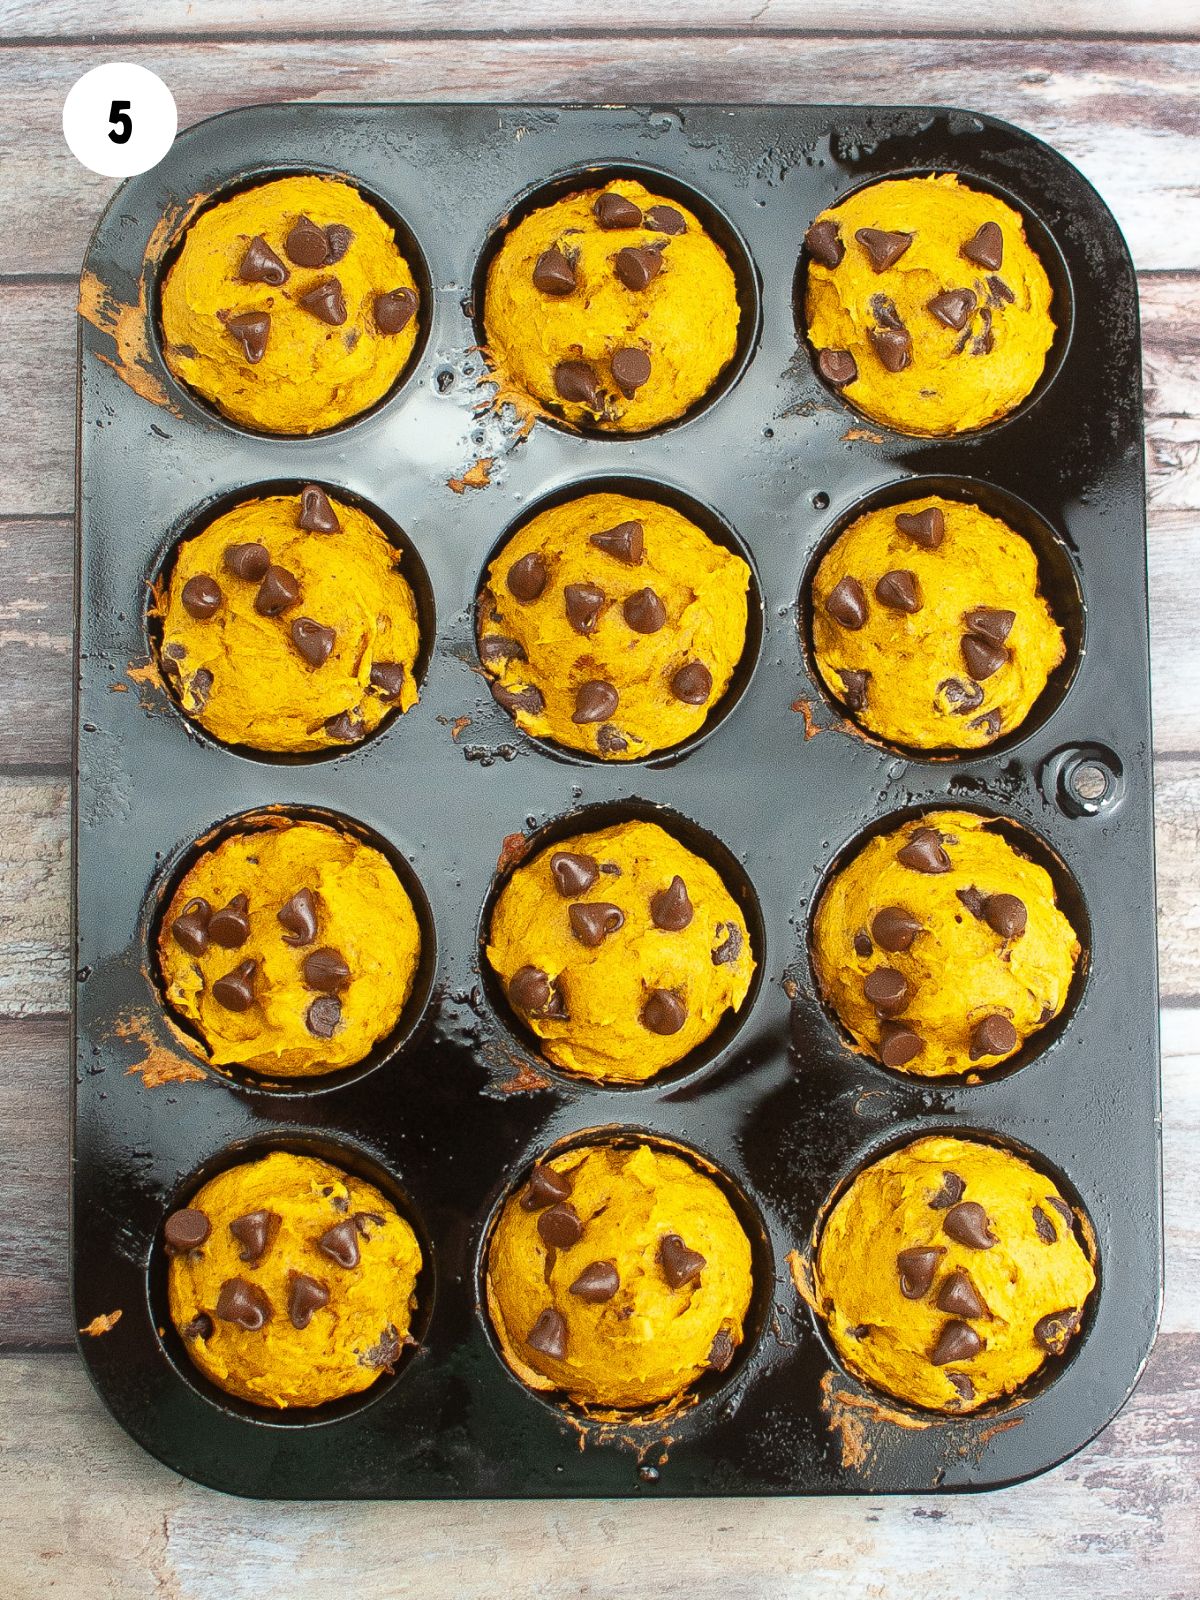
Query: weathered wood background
(1116,86)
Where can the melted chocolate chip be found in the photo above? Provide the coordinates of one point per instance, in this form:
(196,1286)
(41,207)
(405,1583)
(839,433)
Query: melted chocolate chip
(573,874)
(924,852)
(387,679)
(993,1036)
(898,1044)
(595,701)
(630,370)
(986,247)
(394,310)
(324,1016)
(251,329)
(823,242)
(982,657)
(597,1283)
(679,1264)
(260,264)
(305,1295)
(989,722)
(644,612)
(953,307)
(326,302)
(614,211)
(926,528)
(326,969)
(577,383)
(494,647)
(894,928)
(847,604)
(854,687)
(530,700)
(339,239)
(611,741)
(1055,1331)
(190,927)
(584,603)
(545,1188)
(916,1267)
(951,1192)
(313,641)
(636,266)
(887,990)
(1006,915)
(692,683)
(247,561)
(235,991)
(883,249)
(316,513)
(346,726)
(990,622)
(967,1223)
(230,927)
(960,695)
(530,991)
(863,948)
(963,1387)
(958,1297)
(1043,1227)
(185,1230)
(720,1352)
(560,1226)
(200,1327)
(893,346)
(277,593)
(299,918)
(527,578)
(899,592)
(553,274)
(730,946)
(671,909)
(199,687)
(306,244)
(665,219)
(254,1233)
(1063,1210)
(549,1335)
(664,1012)
(244,1304)
(957,1341)
(593,920)
(201,597)
(837,367)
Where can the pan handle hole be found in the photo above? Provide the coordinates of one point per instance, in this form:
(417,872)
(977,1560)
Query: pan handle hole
(1083,780)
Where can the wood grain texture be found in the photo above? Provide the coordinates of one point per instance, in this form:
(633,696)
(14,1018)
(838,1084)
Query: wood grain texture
(1127,114)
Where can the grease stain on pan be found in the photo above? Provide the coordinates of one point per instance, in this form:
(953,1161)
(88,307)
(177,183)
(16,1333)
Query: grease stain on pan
(850,1417)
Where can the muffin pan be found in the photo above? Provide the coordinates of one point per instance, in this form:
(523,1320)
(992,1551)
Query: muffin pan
(453,1111)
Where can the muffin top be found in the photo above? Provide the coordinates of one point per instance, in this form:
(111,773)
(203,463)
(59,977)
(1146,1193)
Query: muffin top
(291,1282)
(612,308)
(941,947)
(287,625)
(290,306)
(619,1275)
(926,305)
(620,949)
(928,624)
(289,949)
(948,1272)
(612,625)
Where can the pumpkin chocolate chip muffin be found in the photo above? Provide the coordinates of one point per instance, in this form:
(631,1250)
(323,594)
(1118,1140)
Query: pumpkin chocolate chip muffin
(291,1282)
(612,307)
(949,1271)
(927,306)
(941,947)
(618,1275)
(290,307)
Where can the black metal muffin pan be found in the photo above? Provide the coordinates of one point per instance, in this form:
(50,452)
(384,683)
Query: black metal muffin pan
(451,1115)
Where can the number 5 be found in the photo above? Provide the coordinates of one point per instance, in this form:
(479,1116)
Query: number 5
(122,123)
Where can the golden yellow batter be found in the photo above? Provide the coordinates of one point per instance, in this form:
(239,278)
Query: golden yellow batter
(619,1275)
(926,305)
(941,948)
(621,950)
(929,625)
(289,949)
(612,625)
(612,307)
(287,625)
(949,1270)
(291,1282)
(290,306)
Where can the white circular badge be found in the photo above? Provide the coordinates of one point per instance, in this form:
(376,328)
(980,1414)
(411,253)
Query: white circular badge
(119,119)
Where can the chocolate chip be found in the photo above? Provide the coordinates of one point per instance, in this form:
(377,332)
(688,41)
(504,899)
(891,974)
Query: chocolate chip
(235,991)
(340,1243)
(986,247)
(593,920)
(957,1341)
(916,1267)
(924,852)
(230,927)
(958,1297)
(720,1352)
(305,1295)
(963,1386)
(597,1283)
(664,1012)
(960,695)
(1055,1331)
(692,683)
(953,307)
(611,741)
(201,597)
(854,687)
(326,302)
(316,513)
(199,687)
(1045,1229)
(847,604)
(299,917)
(926,528)
(989,722)
(552,273)
(644,612)
(326,969)
(339,239)
(243,1304)
(277,593)
(951,1192)
(982,657)
(993,1036)
(324,1016)
(345,726)
(595,701)
(887,990)
(898,591)
(576,382)
(837,367)
(630,369)
(885,312)
(625,542)
(306,244)
(894,928)
(387,679)
(185,1230)
(251,330)
(883,249)
(190,927)
(527,577)
(254,1233)
(990,623)
(1006,914)
(974,900)
(671,909)
(730,947)
(549,1335)
(637,266)
(313,641)
(823,242)
(893,346)
(584,603)
(494,647)
(200,1327)
(530,700)
(1063,1210)
(394,310)
(898,1044)
(560,1226)
(530,991)
(260,264)
(247,560)
(665,219)
(967,1223)
(573,874)
(863,946)
(679,1264)
(545,1188)
(614,211)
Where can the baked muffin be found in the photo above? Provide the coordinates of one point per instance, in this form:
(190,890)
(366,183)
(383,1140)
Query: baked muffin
(928,624)
(291,1282)
(620,949)
(287,625)
(618,1275)
(612,308)
(948,1272)
(926,305)
(941,947)
(290,306)
(612,625)
(289,948)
